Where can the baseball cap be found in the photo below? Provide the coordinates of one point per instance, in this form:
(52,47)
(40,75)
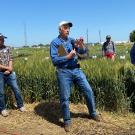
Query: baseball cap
(108,36)
(64,23)
(2,36)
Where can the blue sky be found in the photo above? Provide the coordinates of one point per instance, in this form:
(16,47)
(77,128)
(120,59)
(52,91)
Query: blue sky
(114,17)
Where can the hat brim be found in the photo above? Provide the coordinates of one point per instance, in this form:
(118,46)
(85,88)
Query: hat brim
(70,24)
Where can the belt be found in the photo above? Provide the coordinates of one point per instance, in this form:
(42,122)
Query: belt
(71,67)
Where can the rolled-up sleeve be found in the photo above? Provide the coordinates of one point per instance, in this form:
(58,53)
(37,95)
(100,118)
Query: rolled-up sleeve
(132,54)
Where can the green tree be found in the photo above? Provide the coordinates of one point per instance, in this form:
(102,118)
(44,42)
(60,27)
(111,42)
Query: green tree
(132,36)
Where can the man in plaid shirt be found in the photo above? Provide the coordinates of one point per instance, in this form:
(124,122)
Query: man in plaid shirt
(8,76)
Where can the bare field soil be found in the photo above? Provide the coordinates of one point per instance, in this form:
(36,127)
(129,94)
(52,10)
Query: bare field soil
(45,119)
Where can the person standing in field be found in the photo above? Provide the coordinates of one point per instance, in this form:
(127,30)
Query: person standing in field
(68,72)
(108,48)
(8,76)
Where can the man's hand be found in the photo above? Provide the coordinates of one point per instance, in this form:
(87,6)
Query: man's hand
(71,54)
(10,69)
(6,72)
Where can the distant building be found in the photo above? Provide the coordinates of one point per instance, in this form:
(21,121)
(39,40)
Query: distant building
(121,42)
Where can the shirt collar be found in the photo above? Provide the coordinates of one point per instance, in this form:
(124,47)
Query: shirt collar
(63,39)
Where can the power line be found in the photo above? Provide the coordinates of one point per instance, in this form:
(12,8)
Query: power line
(87,35)
(100,37)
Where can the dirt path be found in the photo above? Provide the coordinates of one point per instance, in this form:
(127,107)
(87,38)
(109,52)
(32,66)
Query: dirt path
(45,119)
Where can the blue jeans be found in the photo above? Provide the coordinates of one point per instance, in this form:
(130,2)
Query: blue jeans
(66,77)
(11,81)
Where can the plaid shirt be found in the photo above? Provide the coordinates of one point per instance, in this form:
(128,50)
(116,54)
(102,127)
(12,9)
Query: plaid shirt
(5,55)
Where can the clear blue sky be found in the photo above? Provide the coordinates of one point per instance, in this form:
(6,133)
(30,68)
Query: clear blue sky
(114,17)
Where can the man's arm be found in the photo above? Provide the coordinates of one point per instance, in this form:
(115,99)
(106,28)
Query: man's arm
(3,67)
(9,68)
(10,65)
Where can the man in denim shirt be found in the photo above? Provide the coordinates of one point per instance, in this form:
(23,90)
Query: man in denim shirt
(69,72)
(7,76)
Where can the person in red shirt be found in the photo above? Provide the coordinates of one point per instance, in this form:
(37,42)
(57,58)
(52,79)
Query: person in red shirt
(108,48)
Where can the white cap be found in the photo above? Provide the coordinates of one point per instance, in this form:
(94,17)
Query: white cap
(65,22)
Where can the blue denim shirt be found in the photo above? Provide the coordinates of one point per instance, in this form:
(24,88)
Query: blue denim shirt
(62,61)
(132,54)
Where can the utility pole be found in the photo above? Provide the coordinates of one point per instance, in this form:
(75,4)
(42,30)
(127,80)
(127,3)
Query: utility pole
(87,36)
(99,36)
(25,34)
